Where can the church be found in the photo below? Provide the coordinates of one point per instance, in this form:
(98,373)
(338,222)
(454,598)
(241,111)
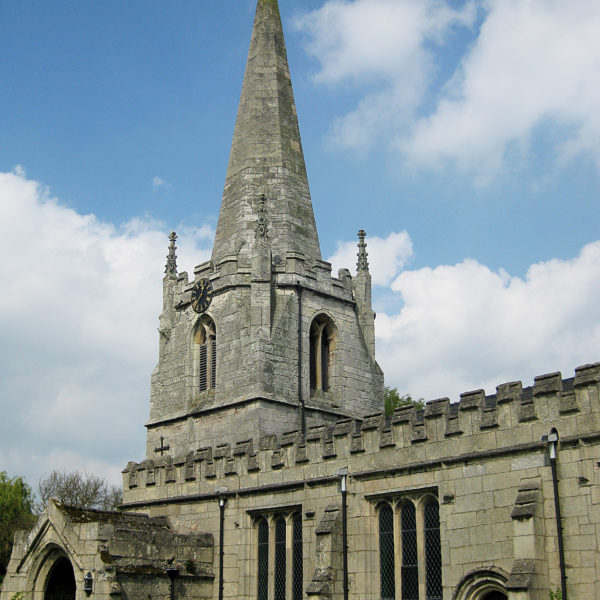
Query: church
(271,471)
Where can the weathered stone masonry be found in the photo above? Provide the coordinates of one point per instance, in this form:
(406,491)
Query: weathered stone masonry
(479,457)
(266,404)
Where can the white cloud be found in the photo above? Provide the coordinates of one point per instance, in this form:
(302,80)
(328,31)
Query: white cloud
(386,257)
(532,72)
(160,184)
(464,326)
(380,43)
(535,63)
(78,313)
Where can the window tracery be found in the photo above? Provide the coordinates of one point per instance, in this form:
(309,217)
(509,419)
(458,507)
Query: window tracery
(410,563)
(322,345)
(205,354)
(279,556)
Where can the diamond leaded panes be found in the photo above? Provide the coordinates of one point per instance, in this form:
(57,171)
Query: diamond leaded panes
(386,553)
(433,557)
(263,560)
(410,561)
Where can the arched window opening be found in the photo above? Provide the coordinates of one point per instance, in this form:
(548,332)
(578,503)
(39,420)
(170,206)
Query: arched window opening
(61,582)
(495,595)
(297,568)
(485,584)
(433,557)
(410,560)
(205,339)
(280,558)
(322,344)
(263,560)
(386,553)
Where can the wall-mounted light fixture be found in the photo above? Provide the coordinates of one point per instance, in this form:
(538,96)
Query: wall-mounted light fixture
(343,475)
(172,572)
(222,495)
(552,440)
(88,583)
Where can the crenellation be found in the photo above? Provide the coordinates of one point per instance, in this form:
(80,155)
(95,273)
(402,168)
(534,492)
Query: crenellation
(547,384)
(471,400)
(290,438)
(222,451)
(587,375)
(437,426)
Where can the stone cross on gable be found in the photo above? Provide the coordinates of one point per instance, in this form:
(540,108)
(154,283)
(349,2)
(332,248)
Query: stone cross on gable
(162,448)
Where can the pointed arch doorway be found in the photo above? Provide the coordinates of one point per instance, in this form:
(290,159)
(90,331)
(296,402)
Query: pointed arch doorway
(61,581)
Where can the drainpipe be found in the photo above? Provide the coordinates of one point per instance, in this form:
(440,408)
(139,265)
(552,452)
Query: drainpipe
(552,440)
(172,573)
(343,474)
(222,503)
(300,394)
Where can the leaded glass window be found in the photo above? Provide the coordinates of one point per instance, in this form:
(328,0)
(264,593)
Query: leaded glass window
(280,556)
(433,557)
(263,560)
(386,553)
(297,565)
(410,561)
(414,549)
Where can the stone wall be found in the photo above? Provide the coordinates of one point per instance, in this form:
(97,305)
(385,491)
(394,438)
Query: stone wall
(483,458)
(126,555)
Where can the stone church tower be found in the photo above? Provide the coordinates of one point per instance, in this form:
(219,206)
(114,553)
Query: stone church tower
(278,343)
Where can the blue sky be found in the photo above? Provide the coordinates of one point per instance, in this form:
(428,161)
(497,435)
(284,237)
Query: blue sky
(463,136)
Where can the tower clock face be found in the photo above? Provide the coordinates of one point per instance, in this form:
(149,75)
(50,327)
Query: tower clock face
(202,293)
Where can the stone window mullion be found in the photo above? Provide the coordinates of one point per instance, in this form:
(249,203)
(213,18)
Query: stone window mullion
(271,558)
(398,548)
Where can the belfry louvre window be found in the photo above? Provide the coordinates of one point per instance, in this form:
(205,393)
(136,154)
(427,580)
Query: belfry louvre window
(205,344)
(279,561)
(322,344)
(410,564)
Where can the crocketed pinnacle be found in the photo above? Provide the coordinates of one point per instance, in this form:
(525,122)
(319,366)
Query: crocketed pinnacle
(362,264)
(171,266)
(266,156)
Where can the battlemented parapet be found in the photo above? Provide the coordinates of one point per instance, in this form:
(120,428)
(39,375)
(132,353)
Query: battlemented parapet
(514,417)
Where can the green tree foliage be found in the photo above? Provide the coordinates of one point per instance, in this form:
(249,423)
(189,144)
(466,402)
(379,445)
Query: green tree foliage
(79,489)
(16,512)
(394,400)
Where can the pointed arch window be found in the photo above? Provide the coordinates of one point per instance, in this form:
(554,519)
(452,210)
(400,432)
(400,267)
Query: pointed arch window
(322,344)
(279,556)
(205,340)
(410,562)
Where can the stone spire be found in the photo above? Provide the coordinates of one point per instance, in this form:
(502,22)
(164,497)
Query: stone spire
(171,266)
(266,157)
